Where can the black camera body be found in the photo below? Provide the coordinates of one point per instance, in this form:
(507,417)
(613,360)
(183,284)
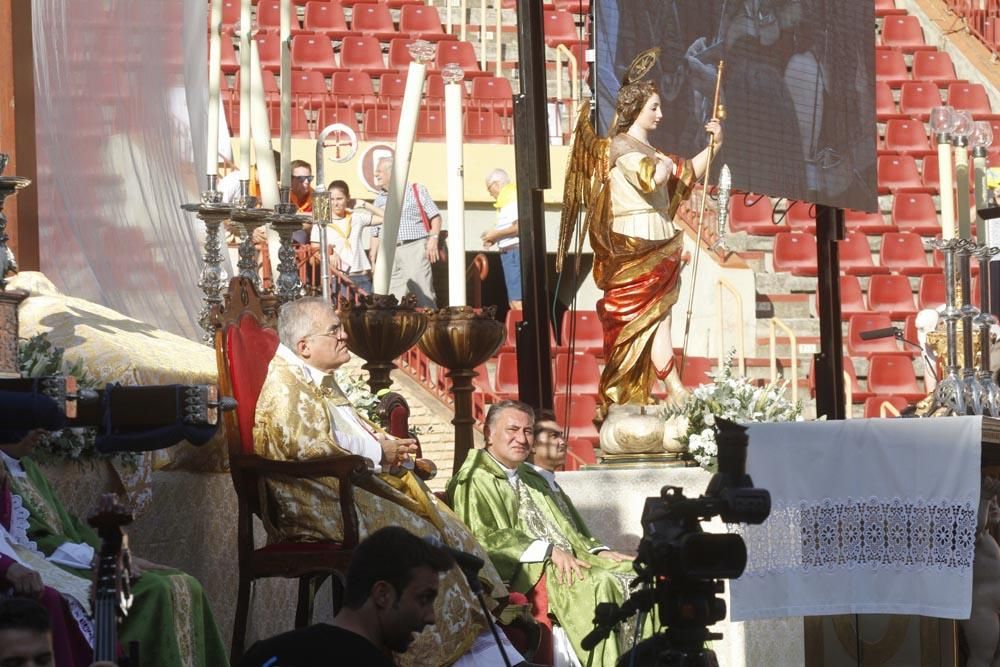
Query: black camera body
(681,569)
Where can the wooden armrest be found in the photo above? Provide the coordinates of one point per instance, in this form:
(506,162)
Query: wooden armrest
(350,467)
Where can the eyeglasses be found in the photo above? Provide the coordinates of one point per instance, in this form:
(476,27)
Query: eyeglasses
(303,179)
(333,332)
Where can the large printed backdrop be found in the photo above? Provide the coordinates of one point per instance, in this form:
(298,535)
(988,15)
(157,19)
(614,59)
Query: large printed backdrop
(798,88)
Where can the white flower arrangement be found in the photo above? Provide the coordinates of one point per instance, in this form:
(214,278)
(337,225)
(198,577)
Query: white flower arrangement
(729,397)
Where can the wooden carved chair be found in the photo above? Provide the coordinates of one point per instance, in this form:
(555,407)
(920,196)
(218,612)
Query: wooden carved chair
(245,342)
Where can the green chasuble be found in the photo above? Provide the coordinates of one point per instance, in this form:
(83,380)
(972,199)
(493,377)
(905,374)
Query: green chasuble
(169,617)
(506,521)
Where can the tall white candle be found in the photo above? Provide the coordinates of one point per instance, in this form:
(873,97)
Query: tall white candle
(286,93)
(946,182)
(456,193)
(400,172)
(214,76)
(261,130)
(245,90)
(962,192)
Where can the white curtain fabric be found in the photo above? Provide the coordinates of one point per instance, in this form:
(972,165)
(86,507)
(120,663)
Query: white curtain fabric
(120,90)
(868,516)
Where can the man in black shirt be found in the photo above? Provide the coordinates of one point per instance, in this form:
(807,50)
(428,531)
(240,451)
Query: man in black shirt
(389,598)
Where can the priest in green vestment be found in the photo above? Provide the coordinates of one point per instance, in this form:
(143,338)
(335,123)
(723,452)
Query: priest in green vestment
(528,530)
(169,617)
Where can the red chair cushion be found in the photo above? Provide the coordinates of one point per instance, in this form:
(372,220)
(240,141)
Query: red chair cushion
(249,349)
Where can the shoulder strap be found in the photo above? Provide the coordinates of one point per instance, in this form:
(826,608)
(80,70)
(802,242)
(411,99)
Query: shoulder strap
(420,207)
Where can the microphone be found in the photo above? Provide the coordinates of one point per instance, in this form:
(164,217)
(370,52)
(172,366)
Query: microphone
(725,186)
(887,332)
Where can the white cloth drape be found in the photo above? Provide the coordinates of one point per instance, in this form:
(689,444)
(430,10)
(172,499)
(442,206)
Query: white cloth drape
(867,516)
(121,111)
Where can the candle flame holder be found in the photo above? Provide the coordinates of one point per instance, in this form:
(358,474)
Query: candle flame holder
(422,51)
(380,329)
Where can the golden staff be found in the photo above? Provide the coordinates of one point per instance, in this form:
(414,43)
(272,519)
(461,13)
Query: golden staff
(719,113)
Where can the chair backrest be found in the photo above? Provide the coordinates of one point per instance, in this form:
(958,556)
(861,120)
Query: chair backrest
(245,344)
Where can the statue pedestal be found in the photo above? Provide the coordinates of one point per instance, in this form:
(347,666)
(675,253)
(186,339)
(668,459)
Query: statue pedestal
(9,301)
(611,500)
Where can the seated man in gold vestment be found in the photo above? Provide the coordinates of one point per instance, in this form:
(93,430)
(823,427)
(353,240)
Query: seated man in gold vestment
(303,414)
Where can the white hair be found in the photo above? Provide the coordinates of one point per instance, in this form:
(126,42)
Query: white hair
(297,319)
(498,176)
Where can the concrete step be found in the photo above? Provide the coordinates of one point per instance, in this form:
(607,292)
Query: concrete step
(785,306)
(769,282)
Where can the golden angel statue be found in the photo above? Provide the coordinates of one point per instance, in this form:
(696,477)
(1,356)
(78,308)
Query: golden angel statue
(632,192)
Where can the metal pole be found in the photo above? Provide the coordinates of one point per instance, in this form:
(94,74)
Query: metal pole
(830,358)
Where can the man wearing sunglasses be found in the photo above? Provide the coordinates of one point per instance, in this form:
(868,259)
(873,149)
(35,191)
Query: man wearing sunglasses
(302,178)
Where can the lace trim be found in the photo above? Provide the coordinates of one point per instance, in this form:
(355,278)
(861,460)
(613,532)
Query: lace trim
(83,621)
(19,524)
(857,533)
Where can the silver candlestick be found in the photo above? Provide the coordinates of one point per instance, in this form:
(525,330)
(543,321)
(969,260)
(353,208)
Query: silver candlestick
(213,212)
(949,392)
(247,218)
(972,388)
(985,321)
(287,287)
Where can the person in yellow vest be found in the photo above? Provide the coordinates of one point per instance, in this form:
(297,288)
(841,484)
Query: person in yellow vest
(505,235)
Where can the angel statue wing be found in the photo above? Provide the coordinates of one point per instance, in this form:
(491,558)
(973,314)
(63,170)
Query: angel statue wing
(586,176)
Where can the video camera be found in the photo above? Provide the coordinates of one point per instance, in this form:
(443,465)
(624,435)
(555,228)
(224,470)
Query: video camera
(681,568)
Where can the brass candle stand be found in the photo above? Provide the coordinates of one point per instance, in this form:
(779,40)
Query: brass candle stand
(212,281)
(380,329)
(9,299)
(459,339)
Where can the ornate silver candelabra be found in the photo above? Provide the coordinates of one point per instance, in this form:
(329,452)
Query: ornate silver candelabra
(971,387)
(949,392)
(247,217)
(213,212)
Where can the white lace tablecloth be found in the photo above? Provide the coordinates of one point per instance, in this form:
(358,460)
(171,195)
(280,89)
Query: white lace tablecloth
(867,516)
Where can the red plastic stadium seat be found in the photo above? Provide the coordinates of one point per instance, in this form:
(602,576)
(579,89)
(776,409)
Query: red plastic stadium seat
(890,67)
(579,452)
(309,89)
(934,66)
(580,7)
(331,114)
(867,223)
(430,125)
(269,17)
(272,93)
(971,97)
(391,85)
(903,33)
(363,53)
(906,136)
(397,4)
(485,127)
(506,379)
(891,294)
(269,46)
(801,217)
(752,214)
(795,253)
(229,63)
(696,371)
(893,374)
(560,28)
(313,52)
(852,300)
(353,89)
(326,17)
(300,124)
(885,105)
(857,347)
(230,12)
(917,98)
(873,405)
(931,293)
(422,22)
(904,253)
(373,19)
(434,88)
(576,413)
(492,93)
(461,53)
(856,256)
(929,173)
(510,324)
(915,212)
(898,173)
(381,124)
(585,374)
(399,54)
(887,8)
(588,332)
